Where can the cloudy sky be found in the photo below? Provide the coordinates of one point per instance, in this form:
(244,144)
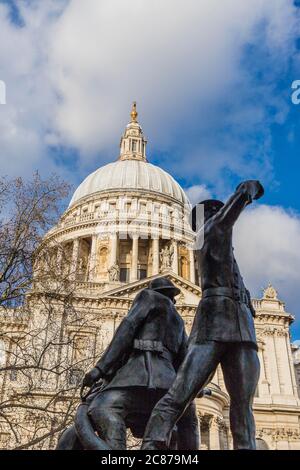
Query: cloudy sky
(213,84)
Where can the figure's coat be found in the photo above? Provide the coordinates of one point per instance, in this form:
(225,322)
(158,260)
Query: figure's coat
(148,346)
(225,312)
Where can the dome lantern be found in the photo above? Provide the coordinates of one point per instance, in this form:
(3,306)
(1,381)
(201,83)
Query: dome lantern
(131,171)
(133,142)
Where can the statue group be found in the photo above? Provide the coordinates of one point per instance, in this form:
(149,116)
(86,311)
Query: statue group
(151,373)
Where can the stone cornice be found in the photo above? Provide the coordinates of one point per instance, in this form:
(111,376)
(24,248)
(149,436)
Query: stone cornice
(116,297)
(114,226)
(90,221)
(275,408)
(274,317)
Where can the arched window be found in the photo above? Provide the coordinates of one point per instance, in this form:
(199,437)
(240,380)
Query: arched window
(134,145)
(184,267)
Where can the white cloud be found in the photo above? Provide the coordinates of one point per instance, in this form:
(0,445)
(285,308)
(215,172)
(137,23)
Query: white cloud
(198,193)
(167,55)
(267,241)
(30,99)
(74,68)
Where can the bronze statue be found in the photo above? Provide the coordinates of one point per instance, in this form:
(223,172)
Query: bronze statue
(223,330)
(137,368)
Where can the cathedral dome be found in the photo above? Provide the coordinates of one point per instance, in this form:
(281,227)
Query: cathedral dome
(131,171)
(130,174)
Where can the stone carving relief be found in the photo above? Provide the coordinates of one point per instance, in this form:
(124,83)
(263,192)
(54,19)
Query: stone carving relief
(278,434)
(273,331)
(166,257)
(180,299)
(114,273)
(270,293)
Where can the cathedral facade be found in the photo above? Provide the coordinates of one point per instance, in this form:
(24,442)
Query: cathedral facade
(126,224)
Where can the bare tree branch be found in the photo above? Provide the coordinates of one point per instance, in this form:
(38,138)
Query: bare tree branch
(44,345)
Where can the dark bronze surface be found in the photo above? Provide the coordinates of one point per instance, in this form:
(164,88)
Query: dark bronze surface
(138,367)
(223,330)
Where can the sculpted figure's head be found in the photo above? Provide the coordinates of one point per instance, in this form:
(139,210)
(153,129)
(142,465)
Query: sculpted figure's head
(203,211)
(165,286)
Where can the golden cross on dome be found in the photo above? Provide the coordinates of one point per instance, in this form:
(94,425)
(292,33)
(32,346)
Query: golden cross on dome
(134,113)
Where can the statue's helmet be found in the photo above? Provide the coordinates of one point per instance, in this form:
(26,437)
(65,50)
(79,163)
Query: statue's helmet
(162,284)
(211,207)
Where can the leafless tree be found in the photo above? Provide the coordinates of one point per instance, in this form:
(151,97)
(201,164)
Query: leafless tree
(44,341)
(27,211)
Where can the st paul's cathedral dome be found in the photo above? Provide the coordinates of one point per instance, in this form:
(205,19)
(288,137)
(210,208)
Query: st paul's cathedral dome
(131,171)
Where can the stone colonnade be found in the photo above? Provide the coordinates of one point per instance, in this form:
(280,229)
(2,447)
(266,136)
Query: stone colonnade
(165,255)
(214,433)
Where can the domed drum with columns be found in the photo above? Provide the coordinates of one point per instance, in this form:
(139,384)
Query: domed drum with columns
(128,220)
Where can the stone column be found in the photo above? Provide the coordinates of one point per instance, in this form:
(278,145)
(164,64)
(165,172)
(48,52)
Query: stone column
(199,419)
(204,431)
(214,434)
(291,365)
(75,254)
(192,266)
(134,258)
(224,444)
(113,249)
(271,363)
(263,384)
(175,258)
(230,441)
(285,363)
(93,259)
(279,357)
(155,254)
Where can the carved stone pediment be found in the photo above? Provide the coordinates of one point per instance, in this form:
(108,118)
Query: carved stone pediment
(190,293)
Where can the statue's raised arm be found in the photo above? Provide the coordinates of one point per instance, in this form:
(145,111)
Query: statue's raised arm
(223,331)
(245,193)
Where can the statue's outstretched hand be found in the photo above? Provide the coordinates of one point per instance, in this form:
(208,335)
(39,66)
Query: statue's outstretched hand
(91,377)
(253,188)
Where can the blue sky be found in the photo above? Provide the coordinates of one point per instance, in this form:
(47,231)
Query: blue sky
(213,85)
